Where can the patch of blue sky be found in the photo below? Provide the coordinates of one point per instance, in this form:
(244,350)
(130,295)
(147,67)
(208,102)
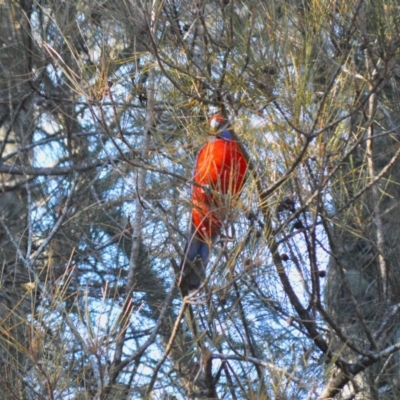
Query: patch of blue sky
(47,155)
(99,319)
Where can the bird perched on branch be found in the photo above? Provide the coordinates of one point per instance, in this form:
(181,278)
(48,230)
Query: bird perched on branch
(219,175)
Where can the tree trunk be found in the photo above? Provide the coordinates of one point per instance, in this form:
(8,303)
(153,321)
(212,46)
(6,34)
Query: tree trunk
(16,126)
(363,279)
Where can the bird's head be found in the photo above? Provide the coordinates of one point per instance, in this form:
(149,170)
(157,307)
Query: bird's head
(219,125)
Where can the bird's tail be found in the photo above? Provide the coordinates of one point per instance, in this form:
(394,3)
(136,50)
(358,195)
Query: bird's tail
(195,259)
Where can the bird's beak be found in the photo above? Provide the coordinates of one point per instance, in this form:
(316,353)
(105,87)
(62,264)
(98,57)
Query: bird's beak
(214,124)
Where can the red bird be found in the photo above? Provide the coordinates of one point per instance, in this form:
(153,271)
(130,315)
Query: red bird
(220,170)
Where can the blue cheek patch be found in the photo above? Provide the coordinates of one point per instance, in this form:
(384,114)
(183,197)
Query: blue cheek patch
(225,134)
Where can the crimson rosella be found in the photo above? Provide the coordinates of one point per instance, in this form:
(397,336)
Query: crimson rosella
(220,170)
